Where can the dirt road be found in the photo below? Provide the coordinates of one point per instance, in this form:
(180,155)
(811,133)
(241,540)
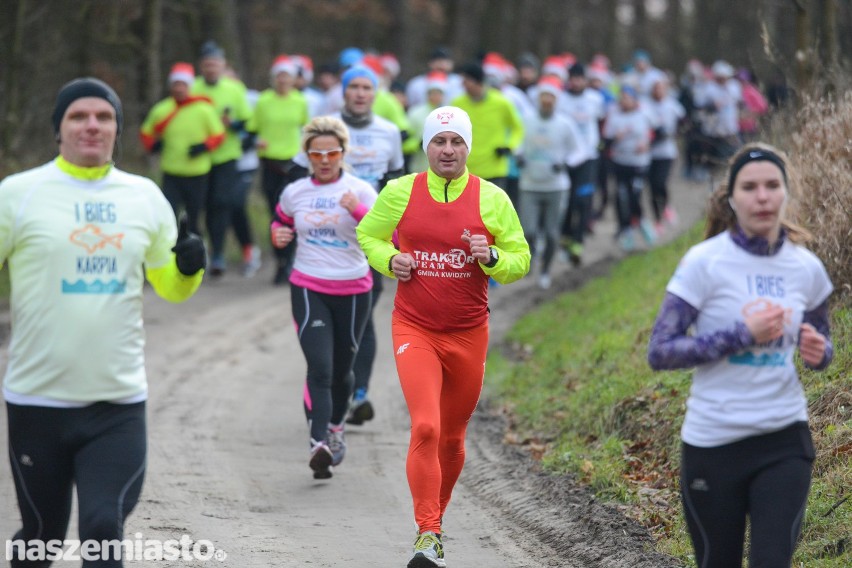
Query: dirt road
(229,446)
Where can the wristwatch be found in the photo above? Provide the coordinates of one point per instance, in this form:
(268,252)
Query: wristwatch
(492,262)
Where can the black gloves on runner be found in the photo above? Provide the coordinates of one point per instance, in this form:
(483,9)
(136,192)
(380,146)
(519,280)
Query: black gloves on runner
(197,149)
(190,253)
(502,151)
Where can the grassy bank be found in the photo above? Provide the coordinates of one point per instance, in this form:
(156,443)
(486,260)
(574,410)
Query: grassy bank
(583,399)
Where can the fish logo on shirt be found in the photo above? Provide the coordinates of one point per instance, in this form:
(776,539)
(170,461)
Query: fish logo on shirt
(320,218)
(93,239)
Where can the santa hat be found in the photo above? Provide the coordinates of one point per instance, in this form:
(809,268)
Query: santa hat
(304,66)
(390,64)
(183,72)
(436,80)
(447,119)
(283,64)
(373,63)
(555,65)
(550,84)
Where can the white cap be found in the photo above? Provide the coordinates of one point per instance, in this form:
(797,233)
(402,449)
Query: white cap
(722,69)
(447,119)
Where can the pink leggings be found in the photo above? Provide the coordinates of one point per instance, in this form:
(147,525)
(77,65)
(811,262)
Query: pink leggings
(441,377)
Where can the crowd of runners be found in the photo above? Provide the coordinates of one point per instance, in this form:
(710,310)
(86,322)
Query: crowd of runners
(445,183)
(567,139)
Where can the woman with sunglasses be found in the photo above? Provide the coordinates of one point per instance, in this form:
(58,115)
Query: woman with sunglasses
(330,284)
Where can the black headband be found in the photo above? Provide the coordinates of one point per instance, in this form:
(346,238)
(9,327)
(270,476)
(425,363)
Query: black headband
(755,155)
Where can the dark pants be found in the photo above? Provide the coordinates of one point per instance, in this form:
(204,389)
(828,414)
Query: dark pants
(239,214)
(329,350)
(222,199)
(658,179)
(275,176)
(765,478)
(363,367)
(189,193)
(100,448)
(604,172)
(579,211)
(629,183)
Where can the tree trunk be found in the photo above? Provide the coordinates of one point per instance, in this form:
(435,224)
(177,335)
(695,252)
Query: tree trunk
(14,69)
(803,46)
(153,49)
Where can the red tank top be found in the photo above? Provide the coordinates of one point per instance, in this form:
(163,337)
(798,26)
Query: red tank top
(448,291)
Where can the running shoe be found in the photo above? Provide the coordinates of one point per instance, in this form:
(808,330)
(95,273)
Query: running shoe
(217,267)
(670,216)
(648,232)
(626,240)
(428,551)
(575,254)
(337,444)
(321,460)
(360,411)
(251,260)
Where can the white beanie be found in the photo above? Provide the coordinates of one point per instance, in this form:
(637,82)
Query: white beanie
(447,119)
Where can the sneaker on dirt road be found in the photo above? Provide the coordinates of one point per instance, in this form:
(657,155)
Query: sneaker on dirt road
(321,460)
(337,444)
(428,551)
(360,411)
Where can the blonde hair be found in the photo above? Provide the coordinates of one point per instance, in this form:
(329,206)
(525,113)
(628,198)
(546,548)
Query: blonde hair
(721,217)
(325,126)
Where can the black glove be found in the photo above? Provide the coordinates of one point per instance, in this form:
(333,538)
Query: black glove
(197,149)
(190,254)
(157,147)
(238,126)
(247,143)
(558,168)
(520,161)
(502,151)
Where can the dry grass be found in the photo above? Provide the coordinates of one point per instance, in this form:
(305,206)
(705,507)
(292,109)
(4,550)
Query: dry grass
(818,139)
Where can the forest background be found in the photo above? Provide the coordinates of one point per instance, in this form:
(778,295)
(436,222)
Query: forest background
(132,44)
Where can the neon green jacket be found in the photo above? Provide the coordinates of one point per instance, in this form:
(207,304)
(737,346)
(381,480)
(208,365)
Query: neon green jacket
(229,98)
(496,124)
(278,121)
(376,229)
(179,128)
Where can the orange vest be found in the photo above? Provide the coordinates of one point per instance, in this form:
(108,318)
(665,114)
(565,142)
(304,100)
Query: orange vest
(448,291)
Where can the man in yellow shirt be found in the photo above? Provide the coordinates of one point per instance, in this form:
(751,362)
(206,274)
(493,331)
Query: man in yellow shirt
(80,236)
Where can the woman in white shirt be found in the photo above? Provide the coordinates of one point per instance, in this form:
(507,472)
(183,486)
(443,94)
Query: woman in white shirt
(753,296)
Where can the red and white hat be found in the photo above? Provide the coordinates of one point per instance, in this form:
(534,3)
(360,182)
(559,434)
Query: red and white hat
(373,63)
(283,64)
(550,84)
(390,64)
(555,65)
(437,80)
(447,119)
(304,66)
(183,72)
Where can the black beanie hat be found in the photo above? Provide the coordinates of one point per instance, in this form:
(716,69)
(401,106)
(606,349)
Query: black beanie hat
(474,71)
(577,70)
(85,87)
